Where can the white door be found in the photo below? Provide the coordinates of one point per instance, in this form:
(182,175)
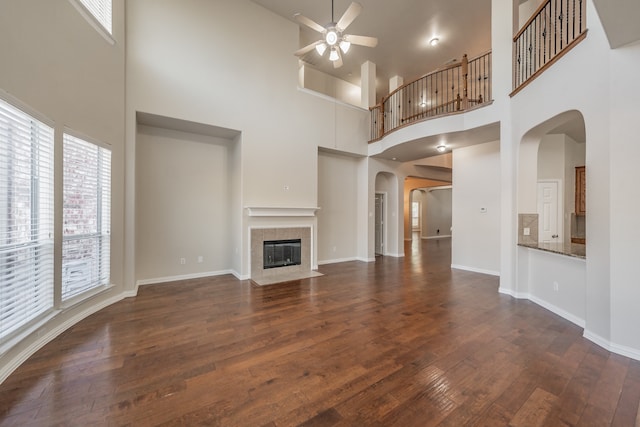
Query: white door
(549,212)
(379,227)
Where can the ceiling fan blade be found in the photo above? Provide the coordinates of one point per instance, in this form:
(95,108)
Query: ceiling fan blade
(338,62)
(309,23)
(361,40)
(349,15)
(307,48)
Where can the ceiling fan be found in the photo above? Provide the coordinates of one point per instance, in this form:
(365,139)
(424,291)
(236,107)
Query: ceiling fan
(333,37)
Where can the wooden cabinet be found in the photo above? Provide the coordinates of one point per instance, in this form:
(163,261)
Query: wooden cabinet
(581,189)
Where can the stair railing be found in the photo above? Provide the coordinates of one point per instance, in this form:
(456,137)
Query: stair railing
(553,29)
(457,87)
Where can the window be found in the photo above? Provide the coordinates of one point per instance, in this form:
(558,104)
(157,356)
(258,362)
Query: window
(26,219)
(86,216)
(101,10)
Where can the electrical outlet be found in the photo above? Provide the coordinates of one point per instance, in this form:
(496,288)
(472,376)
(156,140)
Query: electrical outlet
(526,231)
(183,261)
(200,259)
(556,287)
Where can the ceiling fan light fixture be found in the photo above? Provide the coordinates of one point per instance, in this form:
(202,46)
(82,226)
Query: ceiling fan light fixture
(331,38)
(344,46)
(333,56)
(320,48)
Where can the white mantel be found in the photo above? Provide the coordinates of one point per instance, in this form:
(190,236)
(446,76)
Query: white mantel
(281,211)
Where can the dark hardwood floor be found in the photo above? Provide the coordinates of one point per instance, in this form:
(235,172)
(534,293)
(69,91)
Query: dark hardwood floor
(399,342)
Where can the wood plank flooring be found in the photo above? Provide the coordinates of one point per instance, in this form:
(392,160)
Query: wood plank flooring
(399,342)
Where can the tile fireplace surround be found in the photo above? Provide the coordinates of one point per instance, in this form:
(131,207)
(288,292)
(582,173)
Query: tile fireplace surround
(263,276)
(258,234)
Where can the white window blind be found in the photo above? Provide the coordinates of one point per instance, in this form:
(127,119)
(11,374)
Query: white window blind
(26,219)
(86,216)
(101,10)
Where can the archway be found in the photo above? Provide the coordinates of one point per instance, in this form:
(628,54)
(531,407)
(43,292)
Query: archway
(552,154)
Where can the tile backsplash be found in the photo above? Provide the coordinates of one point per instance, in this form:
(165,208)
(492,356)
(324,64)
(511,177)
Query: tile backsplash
(529,221)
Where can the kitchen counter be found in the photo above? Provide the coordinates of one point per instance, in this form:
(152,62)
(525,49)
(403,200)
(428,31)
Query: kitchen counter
(575,250)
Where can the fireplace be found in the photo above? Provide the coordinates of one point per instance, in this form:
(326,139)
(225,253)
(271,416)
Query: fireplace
(281,253)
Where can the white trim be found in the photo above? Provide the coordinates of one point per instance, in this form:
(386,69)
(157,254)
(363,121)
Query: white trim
(366,259)
(633,353)
(154,281)
(475,270)
(436,237)
(266,211)
(83,296)
(395,255)
(593,337)
(517,295)
(239,276)
(88,16)
(76,134)
(557,310)
(16,103)
(337,260)
(40,341)
(622,350)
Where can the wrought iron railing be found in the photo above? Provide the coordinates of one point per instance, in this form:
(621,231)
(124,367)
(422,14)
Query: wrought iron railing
(454,88)
(554,28)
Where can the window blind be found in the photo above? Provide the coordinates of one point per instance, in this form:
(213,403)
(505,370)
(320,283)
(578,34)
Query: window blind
(101,10)
(26,219)
(86,216)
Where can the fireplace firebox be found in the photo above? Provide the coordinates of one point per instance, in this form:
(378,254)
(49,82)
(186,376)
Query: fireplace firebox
(281,253)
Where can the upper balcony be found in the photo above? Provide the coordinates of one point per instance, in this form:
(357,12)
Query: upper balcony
(453,89)
(552,30)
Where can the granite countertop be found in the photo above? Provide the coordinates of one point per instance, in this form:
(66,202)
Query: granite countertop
(575,250)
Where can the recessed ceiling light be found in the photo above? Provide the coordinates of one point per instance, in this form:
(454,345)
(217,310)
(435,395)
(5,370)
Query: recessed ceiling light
(434,41)
(441,148)
(393,158)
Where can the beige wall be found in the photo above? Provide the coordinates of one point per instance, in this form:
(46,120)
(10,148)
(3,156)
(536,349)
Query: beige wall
(230,64)
(476,185)
(325,84)
(337,199)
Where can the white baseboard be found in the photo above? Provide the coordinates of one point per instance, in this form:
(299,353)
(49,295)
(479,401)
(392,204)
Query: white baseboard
(240,276)
(337,260)
(622,350)
(436,237)
(366,259)
(557,310)
(40,341)
(396,255)
(475,270)
(144,282)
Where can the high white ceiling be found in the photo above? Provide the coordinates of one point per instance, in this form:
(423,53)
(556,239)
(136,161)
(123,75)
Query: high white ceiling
(403,28)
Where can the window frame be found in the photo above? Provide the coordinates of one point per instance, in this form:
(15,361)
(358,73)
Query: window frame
(100,218)
(41,220)
(106,33)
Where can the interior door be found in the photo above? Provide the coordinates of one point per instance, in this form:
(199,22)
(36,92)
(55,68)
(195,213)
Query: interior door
(549,215)
(379,227)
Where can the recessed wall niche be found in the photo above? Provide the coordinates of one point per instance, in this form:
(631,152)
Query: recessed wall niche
(187,187)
